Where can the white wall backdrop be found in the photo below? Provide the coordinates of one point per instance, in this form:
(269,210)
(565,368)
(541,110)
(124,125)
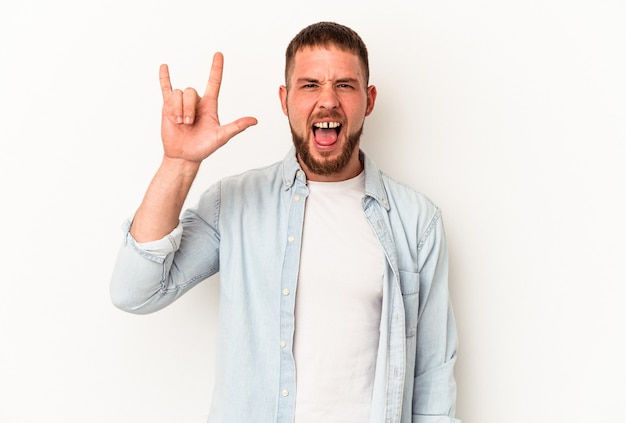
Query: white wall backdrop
(508,114)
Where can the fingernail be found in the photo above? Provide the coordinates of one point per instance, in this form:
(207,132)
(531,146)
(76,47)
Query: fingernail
(179,119)
(187,119)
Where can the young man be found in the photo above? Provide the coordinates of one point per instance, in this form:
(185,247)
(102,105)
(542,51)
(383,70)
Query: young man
(334,302)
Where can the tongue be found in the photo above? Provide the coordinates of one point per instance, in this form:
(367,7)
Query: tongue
(325,136)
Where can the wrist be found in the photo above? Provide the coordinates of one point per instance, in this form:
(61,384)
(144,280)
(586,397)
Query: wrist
(180,167)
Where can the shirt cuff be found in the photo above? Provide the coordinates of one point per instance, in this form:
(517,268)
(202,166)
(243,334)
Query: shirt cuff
(161,247)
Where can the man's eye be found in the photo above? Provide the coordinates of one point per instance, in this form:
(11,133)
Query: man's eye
(345,86)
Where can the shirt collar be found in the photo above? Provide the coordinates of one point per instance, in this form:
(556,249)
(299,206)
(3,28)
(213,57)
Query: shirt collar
(292,170)
(374,186)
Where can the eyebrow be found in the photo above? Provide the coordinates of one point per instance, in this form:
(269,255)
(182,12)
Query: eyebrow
(337,81)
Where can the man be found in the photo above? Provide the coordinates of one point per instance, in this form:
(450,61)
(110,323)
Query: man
(334,303)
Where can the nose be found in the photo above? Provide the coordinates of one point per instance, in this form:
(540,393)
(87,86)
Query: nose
(328,98)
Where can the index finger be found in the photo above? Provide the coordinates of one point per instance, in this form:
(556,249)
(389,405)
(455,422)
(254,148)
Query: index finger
(215,77)
(164,80)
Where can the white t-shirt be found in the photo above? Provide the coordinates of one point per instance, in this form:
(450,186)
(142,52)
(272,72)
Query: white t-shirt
(338,306)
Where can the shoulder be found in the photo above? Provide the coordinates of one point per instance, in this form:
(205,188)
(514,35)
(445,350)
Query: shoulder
(406,197)
(261,176)
(234,193)
(412,213)
(401,197)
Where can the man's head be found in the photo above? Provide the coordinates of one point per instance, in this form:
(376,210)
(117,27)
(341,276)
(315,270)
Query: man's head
(326,98)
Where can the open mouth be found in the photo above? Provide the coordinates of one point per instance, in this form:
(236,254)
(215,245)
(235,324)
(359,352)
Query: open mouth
(326,133)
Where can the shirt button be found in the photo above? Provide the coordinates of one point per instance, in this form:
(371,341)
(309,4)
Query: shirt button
(291,239)
(283,344)
(298,174)
(286,291)
(285,393)
(296,198)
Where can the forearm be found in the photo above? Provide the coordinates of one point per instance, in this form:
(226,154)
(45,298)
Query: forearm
(160,209)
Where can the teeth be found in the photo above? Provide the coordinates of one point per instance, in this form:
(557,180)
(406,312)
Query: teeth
(326,125)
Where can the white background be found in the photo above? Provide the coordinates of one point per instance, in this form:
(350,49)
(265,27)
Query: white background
(510,115)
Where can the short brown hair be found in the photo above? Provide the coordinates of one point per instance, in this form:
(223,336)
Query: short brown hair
(325,34)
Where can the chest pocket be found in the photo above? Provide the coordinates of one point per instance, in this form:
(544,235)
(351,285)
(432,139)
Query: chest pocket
(410,286)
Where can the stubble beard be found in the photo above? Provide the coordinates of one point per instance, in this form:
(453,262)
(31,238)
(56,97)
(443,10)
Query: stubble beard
(326,166)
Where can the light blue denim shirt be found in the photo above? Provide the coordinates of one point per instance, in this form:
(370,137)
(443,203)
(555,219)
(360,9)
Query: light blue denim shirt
(248,227)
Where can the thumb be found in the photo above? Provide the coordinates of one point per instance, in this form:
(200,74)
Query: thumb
(238,126)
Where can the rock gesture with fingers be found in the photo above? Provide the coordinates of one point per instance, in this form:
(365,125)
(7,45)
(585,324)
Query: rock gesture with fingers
(190,126)
(191,132)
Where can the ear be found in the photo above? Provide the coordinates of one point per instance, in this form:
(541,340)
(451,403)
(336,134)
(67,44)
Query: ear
(282,94)
(371,99)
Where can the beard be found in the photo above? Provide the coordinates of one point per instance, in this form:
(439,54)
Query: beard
(326,166)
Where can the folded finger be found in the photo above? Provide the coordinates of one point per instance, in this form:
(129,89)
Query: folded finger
(190,99)
(175,105)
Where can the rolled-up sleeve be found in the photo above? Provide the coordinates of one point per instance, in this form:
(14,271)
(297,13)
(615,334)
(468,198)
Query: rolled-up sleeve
(151,275)
(140,269)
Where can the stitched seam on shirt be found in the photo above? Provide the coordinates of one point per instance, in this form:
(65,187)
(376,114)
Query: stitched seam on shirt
(182,286)
(406,186)
(433,220)
(429,229)
(218,208)
(172,241)
(156,258)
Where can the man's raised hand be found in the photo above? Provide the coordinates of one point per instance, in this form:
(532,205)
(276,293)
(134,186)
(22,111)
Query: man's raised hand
(190,126)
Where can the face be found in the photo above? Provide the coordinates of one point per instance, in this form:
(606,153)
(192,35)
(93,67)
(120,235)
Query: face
(326,100)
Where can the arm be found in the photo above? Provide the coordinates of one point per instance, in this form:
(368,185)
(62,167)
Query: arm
(190,132)
(144,278)
(434,393)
